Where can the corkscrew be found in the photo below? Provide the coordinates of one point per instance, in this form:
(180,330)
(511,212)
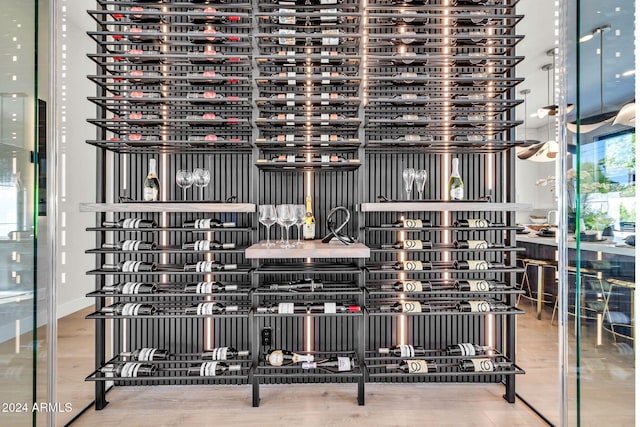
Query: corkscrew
(335,232)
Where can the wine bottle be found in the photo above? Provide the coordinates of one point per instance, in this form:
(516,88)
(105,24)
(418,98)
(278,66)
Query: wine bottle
(286,357)
(210,15)
(206,245)
(476,264)
(409,223)
(131,267)
(475,244)
(403,350)
(332,364)
(475,223)
(479,285)
(149,17)
(299,285)
(468,349)
(210,308)
(209,266)
(409,245)
(456,186)
(481,306)
(130,245)
(130,370)
(305,2)
(151,188)
(211,369)
(146,354)
(129,309)
(415,366)
(484,365)
(208,223)
(131,223)
(208,288)
(309,226)
(407,266)
(223,353)
(407,307)
(131,288)
(409,286)
(327,307)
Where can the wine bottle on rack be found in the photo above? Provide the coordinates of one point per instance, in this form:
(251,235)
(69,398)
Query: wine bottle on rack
(131,267)
(149,17)
(332,364)
(210,308)
(409,286)
(475,244)
(208,288)
(151,188)
(206,245)
(309,226)
(299,285)
(469,349)
(407,266)
(286,357)
(415,366)
(403,350)
(209,266)
(456,185)
(130,245)
(207,224)
(223,353)
(484,365)
(131,223)
(476,264)
(479,285)
(409,245)
(130,370)
(475,223)
(409,223)
(211,369)
(146,354)
(131,288)
(306,2)
(327,307)
(407,307)
(129,309)
(481,306)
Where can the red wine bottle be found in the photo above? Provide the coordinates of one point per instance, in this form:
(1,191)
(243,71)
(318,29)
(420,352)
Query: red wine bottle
(468,349)
(131,288)
(415,366)
(407,307)
(209,309)
(481,306)
(479,285)
(130,370)
(130,245)
(129,309)
(409,286)
(146,354)
(403,350)
(223,353)
(211,369)
(208,288)
(131,223)
(484,365)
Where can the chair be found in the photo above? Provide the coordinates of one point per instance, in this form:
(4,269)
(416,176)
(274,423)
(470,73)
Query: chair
(618,323)
(539,296)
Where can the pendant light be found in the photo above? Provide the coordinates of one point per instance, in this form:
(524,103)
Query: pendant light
(552,110)
(627,115)
(532,149)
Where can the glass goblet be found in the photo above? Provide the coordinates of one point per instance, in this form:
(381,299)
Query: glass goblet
(301,216)
(267,217)
(286,217)
(184,179)
(408,175)
(420,180)
(201,178)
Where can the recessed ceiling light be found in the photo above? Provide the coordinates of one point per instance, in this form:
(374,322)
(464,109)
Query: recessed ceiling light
(628,73)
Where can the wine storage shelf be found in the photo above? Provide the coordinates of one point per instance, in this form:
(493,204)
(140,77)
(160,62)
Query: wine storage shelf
(331,99)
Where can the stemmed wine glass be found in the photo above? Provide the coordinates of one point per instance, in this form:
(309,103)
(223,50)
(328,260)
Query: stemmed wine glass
(286,217)
(184,179)
(408,175)
(301,216)
(267,218)
(201,178)
(421,180)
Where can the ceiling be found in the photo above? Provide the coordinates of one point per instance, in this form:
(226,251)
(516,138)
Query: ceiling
(538,26)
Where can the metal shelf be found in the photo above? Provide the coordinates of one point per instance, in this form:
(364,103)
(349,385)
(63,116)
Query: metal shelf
(169,207)
(314,249)
(435,206)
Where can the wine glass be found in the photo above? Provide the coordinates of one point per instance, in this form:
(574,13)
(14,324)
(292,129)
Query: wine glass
(267,217)
(201,178)
(184,179)
(421,180)
(301,216)
(408,175)
(286,217)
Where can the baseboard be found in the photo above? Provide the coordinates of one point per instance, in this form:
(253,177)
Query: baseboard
(72,306)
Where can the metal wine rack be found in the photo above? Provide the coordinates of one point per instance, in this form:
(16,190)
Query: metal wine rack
(286,98)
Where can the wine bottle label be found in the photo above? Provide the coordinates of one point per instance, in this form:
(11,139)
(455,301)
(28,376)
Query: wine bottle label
(130,370)
(478,223)
(202,245)
(131,223)
(276,358)
(303,358)
(407,350)
(330,41)
(412,265)
(479,306)
(219,353)
(309,231)
(411,307)
(146,354)
(457,192)
(287,20)
(285,308)
(150,194)
(131,245)
(131,266)
(412,244)
(206,308)
(231,308)
(208,369)
(467,349)
(309,365)
(412,286)
(203,266)
(131,309)
(478,264)
(412,223)
(477,244)
(479,286)
(131,288)
(417,367)
(482,365)
(344,364)
(204,288)
(330,307)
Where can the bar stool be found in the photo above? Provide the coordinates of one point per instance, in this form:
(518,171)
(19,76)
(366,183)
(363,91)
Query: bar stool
(541,297)
(618,323)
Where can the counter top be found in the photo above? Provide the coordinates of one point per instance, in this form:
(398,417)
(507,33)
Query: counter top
(604,247)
